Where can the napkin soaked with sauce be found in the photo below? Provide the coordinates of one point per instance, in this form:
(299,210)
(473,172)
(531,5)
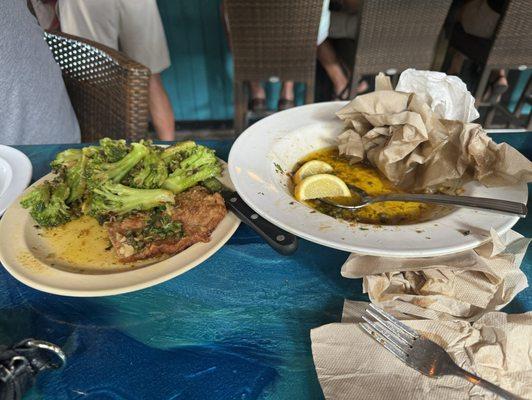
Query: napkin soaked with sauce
(463,285)
(351,365)
(407,138)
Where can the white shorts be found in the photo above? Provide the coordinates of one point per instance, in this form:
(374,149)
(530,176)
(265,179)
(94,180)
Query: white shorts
(131,26)
(323,30)
(478,19)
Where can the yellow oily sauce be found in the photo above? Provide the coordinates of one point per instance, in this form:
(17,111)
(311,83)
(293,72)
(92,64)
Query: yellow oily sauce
(369,179)
(82,245)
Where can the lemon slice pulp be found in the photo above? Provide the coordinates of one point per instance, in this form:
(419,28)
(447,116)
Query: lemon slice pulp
(319,186)
(310,168)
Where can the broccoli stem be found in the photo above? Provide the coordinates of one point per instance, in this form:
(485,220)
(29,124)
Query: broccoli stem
(115,198)
(202,156)
(47,204)
(119,169)
(180,181)
(98,172)
(177,149)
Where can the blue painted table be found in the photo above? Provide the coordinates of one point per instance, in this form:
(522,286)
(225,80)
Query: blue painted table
(235,327)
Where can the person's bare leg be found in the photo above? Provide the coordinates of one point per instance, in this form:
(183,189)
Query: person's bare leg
(331,64)
(287,90)
(499,85)
(162,115)
(456,63)
(257,91)
(286,99)
(258,96)
(501,80)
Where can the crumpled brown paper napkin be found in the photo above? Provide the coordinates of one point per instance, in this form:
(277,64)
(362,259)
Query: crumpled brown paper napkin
(351,365)
(463,285)
(400,135)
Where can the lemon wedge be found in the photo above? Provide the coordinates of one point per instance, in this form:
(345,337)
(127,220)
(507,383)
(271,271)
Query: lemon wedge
(310,168)
(319,186)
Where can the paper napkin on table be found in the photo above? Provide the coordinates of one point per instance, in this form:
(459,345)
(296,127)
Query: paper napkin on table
(462,285)
(351,365)
(416,149)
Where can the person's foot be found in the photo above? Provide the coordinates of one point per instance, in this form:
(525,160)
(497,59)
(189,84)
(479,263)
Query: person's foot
(342,94)
(258,97)
(341,86)
(285,104)
(496,89)
(286,100)
(362,87)
(258,104)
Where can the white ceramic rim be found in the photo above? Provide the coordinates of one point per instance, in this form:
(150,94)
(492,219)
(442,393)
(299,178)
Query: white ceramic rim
(46,278)
(255,179)
(16,169)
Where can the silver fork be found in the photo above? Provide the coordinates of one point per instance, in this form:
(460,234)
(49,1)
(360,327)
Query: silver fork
(481,203)
(417,351)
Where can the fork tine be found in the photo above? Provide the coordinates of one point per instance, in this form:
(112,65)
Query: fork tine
(395,321)
(384,342)
(389,335)
(391,328)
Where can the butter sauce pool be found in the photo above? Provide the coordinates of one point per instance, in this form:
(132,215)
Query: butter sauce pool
(369,179)
(82,245)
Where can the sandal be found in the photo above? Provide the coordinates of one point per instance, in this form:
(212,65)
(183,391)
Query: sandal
(285,104)
(344,94)
(362,88)
(346,91)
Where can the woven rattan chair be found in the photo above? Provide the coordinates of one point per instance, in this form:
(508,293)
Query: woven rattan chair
(275,38)
(396,35)
(108,91)
(510,48)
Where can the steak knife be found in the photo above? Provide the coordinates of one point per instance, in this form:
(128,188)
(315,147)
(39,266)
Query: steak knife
(280,240)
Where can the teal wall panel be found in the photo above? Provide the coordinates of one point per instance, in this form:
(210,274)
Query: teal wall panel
(520,86)
(199,82)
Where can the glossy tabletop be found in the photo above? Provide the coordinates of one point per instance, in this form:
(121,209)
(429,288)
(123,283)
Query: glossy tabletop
(235,327)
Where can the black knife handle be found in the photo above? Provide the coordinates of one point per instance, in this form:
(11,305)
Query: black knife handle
(280,240)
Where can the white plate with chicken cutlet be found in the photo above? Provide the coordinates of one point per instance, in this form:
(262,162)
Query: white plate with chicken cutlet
(115,235)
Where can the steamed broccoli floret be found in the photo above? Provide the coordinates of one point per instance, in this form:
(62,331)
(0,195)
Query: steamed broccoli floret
(47,203)
(198,166)
(98,172)
(94,154)
(115,198)
(75,179)
(198,157)
(150,173)
(213,184)
(179,182)
(70,166)
(66,159)
(173,155)
(113,150)
(178,150)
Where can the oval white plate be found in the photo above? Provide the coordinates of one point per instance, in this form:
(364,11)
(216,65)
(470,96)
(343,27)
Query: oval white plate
(15,175)
(21,255)
(280,140)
